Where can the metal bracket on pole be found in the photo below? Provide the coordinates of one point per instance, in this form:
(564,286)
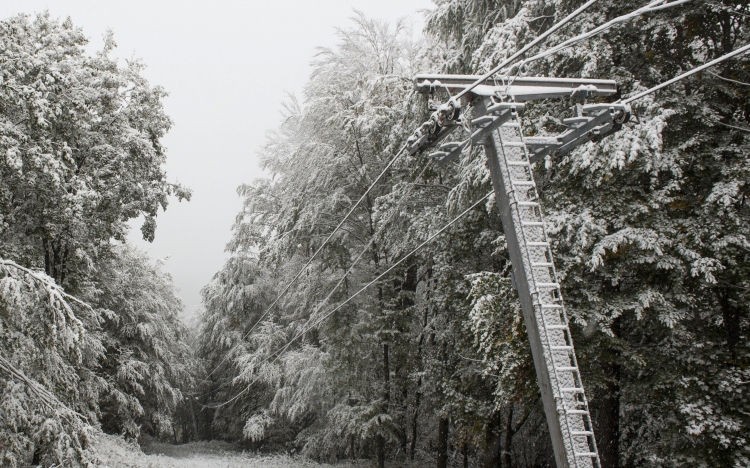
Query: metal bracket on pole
(593,121)
(596,121)
(495,115)
(518,89)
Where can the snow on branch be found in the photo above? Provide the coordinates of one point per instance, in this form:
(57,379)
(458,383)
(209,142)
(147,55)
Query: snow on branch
(56,293)
(41,393)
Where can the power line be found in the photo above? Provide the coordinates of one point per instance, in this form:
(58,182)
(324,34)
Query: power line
(40,391)
(302,270)
(278,353)
(55,290)
(391,268)
(451,110)
(651,7)
(655,5)
(359,257)
(356,261)
(695,70)
(369,244)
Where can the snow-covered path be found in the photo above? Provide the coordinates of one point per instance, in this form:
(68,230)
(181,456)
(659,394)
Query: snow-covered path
(116,453)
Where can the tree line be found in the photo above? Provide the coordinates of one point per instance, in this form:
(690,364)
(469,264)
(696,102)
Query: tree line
(649,227)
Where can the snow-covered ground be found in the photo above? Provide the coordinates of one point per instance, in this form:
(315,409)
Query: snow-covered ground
(116,453)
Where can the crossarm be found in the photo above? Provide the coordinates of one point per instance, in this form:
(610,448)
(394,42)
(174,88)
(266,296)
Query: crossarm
(520,89)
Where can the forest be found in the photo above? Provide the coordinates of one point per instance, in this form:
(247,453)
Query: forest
(431,364)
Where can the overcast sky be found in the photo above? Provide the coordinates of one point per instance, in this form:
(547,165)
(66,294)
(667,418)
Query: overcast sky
(227,65)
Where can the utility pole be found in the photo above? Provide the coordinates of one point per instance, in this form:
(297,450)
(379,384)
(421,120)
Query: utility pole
(498,106)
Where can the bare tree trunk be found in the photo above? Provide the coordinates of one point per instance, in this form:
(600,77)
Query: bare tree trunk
(730,314)
(404,435)
(607,406)
(380,448)
(418,396)
(47,262)
(608,430)
(442,445)
(55,259)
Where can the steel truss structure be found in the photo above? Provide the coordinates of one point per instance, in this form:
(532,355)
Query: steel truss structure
(498,106)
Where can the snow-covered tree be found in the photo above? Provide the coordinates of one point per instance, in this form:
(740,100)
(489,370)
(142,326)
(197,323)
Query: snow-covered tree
(146,361)
(49,348)
(89,335)
(234,301)
(80,138)
(650,236)
(357,111)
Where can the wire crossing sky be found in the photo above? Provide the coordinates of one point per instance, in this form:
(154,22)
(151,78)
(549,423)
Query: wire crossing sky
(227,66)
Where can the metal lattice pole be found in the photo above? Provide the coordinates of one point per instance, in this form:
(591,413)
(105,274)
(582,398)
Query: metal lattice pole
(565,403)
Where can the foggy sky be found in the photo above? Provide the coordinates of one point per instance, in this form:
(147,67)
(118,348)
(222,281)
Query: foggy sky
(227,66)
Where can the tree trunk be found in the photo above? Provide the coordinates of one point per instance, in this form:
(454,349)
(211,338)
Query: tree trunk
(55,259)
(380,441)
(47,261)
(607,422)
(680,43)
(608,430)
(404,435)
(507,439)
(493,441)
(418,397)
(195,421)
(730,315)
(386,378)
(380,448)
(442,445)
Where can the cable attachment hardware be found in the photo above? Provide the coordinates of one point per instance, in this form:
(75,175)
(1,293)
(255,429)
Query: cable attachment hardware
(583,92)
(621,116)
(442,122)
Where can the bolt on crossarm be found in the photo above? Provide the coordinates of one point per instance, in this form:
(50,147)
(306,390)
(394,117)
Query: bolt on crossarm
(497,127)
